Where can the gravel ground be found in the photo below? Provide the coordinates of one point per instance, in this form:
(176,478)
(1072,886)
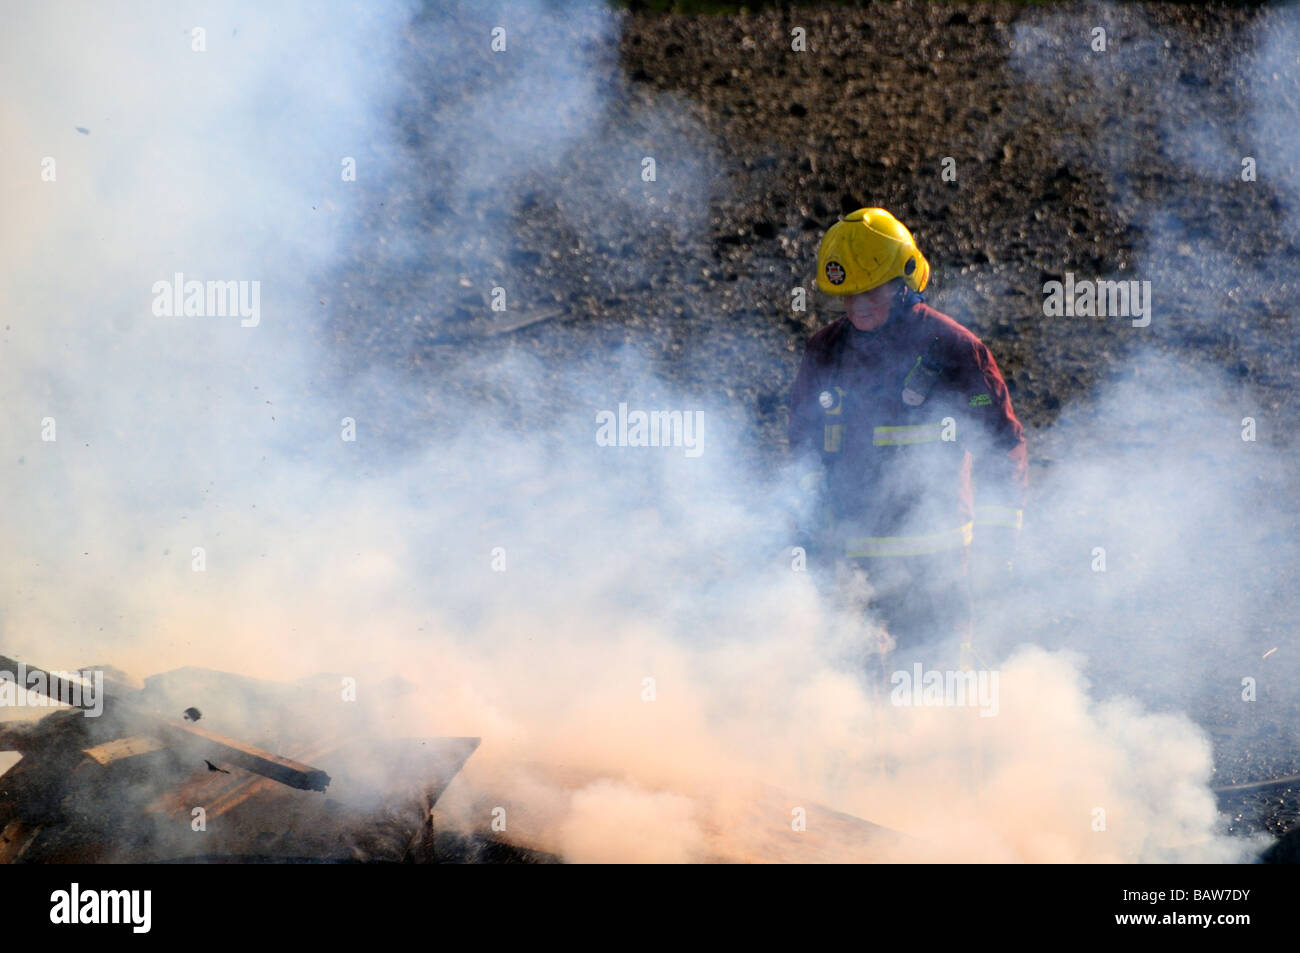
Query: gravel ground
(1123,164)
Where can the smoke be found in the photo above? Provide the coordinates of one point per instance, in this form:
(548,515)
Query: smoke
(621,625)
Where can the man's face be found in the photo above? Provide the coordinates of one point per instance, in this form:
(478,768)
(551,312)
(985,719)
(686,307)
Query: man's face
(869,310)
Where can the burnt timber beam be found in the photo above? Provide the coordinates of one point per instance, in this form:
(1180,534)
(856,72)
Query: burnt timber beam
(188,738)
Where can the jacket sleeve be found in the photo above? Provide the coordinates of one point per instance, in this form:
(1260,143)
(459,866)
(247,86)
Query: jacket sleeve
(997,445)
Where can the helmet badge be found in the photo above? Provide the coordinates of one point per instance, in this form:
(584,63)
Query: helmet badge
(835,272)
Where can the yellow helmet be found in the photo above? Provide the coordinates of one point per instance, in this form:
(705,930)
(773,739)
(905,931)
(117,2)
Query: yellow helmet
(865,249)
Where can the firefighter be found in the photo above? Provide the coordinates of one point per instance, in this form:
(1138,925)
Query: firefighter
(894,409)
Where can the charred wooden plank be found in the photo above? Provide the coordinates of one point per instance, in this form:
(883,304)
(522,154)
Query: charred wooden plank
(218,748)
(54,686)
(186,737)
(122,748)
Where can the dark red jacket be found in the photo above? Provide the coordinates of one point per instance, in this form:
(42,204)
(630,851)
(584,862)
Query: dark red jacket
(896,470)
